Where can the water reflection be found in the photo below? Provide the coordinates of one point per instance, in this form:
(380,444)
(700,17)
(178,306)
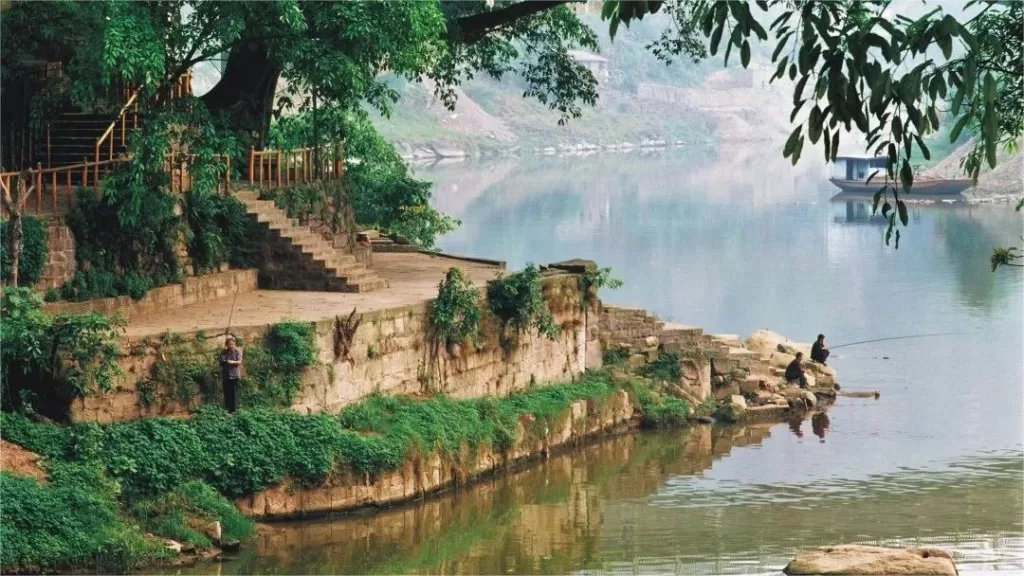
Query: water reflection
(642,503)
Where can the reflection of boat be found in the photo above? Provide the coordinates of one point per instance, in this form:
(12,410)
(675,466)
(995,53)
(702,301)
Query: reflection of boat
(850,173)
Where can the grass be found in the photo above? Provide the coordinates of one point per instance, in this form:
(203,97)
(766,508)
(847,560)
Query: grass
(172,477)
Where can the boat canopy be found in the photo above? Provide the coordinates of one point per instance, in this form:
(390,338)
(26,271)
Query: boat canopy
(855,167)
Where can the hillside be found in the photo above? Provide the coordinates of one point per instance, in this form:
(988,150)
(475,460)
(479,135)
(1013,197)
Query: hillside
(1003,182)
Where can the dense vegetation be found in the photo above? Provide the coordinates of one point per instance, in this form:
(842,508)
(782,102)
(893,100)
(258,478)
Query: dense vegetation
(170,476)
(33,253)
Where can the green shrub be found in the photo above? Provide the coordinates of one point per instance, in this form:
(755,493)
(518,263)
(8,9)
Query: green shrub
(664,368)
(658,410)
(72,522)
(34,251)
(52,294)
(615,356)
(136,285)
(592,280)
(455,313)
(517,300)
(54,358)
(219,231)
(274,367)
(183,513)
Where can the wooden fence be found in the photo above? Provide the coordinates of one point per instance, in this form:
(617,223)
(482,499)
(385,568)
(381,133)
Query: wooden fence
(55,188)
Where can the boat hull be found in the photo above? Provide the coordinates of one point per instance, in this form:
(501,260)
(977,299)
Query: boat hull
(921,188)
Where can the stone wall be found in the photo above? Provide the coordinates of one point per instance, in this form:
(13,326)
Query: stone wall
(389,351)
(422,475)
(193,290)
(60,261)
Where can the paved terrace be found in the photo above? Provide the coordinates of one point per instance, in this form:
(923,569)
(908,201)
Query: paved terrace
(413,277)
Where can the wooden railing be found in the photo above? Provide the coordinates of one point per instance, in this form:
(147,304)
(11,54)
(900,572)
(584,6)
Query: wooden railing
(54,188)
(181,87)
(275,167)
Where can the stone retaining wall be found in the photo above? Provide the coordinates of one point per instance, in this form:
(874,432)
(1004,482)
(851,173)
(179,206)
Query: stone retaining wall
(391,352)
(422,475)
(193,290)
(60,260)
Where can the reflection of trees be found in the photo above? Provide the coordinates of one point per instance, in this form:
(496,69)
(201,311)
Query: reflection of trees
(968,235)
(619,499)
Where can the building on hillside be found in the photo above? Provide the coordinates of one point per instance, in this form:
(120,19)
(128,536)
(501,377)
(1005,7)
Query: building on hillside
(593,62)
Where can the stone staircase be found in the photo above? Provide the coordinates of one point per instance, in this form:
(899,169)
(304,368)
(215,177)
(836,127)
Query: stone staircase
(295,257)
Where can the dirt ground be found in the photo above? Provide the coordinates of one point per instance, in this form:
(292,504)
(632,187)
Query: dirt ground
(17,460)
(414,278)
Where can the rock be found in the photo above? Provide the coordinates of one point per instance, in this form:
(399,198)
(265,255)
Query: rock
(752,385)
(722,366)
(779,400)
(173,545)
(718,380)
(399,239)
(651,354)
(780,359)
(213,530)
(860,394)
(764,397)
(812,380)
(738,400)
(856,560)
(724,392)
(574,266)
(810,398)
(651,341)
(767,342)
(705,420)
(636,361)
(691,372)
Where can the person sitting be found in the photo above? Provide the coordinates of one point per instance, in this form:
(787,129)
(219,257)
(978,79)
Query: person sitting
(818,351)
(795,371)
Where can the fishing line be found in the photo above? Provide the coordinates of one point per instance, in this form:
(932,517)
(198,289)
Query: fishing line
(227,331)
(899,338)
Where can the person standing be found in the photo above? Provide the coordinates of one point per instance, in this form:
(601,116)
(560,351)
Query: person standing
(818,351)
(231,372)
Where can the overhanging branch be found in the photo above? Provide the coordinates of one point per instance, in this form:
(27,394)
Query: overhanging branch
(472,28)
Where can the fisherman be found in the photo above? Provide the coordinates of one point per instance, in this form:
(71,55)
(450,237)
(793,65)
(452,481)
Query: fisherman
(795,372)
(818,351)
(231,371)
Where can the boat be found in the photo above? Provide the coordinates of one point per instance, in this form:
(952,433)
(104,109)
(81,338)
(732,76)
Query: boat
(850,174)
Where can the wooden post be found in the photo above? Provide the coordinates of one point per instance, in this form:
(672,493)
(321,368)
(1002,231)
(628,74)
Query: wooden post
(53,189)
(39,187)
(70,189)
(261,170)
(47,145)
(252,158)
(85,173)
(279,167)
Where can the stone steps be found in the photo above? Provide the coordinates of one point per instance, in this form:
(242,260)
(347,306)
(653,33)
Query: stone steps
(333,270)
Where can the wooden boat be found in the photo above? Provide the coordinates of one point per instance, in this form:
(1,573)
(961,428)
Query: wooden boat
(850,174)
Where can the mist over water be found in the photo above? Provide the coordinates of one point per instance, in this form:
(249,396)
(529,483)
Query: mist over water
(734,240)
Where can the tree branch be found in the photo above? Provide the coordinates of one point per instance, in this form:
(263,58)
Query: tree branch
(474,27)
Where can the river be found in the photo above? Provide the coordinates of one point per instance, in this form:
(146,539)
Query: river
(734,241)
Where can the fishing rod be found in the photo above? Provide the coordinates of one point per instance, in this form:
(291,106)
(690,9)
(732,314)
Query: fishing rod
(227,331)
(898,338)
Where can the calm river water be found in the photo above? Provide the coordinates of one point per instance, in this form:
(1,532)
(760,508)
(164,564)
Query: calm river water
(735,242)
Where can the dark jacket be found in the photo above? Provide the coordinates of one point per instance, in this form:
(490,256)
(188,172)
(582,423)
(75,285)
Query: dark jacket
(818,352)
(794,371)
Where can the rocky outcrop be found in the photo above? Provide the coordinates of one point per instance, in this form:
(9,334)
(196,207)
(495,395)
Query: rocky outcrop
(857,560)
(16,460)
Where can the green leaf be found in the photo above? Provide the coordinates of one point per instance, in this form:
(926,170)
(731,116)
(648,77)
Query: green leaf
(991,135)
(872,177)
(835,144)
(876,200)
(901,207)
(924,149)
(745,54)
(798,92)
(791,142)
(906,175)
(990,88)
(814,124)
(897,128)
(958,128)
(716,39)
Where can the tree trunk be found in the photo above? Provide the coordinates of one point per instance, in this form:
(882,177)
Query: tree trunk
(245,92)
(16,234)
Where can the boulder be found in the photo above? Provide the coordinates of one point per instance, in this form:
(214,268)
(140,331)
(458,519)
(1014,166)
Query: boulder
(636,361)
(651,342)
(213,530)
(173,546)
(767,342)
(723,366)
(752,385)
(856,560)
(724,392)
(780,359)
(738,401)
(779,400)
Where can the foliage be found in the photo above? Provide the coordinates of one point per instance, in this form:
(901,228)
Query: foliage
(219,228)
(615,356)
(888,77)
(516,299)
(658,410)
(54,357)
(592,280)
(274,369)
(1007,256)
(71,522)
(184,367)
(455,314)
(183,513)
(664,368)
(34,251)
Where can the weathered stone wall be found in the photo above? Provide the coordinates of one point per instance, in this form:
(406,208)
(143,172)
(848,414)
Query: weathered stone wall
(390,351)
(425,474)
(193,290)
(60,261)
